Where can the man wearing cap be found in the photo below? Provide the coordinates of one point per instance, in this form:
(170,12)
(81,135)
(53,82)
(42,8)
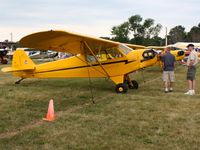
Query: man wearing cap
(168,69)
(191,72)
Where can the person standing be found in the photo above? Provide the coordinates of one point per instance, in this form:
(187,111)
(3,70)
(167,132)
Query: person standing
(168,69)
(191,72)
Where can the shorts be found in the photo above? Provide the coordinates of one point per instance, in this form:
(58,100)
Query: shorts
(168,76)
(191,73)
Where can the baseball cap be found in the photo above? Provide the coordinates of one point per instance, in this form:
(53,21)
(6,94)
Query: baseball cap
(190,45)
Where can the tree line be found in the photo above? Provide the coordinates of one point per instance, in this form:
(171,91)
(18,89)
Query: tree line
(137,30)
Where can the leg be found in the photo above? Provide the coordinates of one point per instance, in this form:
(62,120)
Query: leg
(193,87)
(171,85)
(166,80)
(166,84)
(193,84)
(190,85)
(172,80)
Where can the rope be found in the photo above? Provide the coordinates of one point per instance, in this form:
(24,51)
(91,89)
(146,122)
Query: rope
(91,88)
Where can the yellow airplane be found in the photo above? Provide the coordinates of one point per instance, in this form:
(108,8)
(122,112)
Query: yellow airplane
(92,58)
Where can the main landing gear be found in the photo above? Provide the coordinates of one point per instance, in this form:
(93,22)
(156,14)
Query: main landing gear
(123,87)
(133,85)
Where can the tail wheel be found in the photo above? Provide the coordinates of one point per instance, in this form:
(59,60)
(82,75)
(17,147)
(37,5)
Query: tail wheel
(121,88)
(134,85)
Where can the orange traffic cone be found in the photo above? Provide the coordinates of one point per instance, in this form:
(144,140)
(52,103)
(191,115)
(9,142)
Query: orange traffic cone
(50,114)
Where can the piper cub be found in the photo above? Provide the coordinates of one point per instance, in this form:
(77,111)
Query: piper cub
(91,58)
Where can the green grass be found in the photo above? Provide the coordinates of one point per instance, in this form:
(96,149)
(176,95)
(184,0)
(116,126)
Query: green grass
(141,119)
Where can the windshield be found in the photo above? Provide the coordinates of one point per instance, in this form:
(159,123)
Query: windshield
(125,49)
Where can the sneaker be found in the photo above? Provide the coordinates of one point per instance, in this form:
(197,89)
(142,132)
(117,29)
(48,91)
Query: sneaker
(166,90)
(187,93)
(190,92)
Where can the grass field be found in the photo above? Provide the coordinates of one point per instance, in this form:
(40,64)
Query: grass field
(141,119)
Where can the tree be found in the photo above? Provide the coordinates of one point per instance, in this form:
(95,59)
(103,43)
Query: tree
(177,34)
(135,25)
(121,32)
(194,34)
(144,29)
(138,29)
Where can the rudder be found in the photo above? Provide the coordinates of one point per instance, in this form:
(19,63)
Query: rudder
(20,62)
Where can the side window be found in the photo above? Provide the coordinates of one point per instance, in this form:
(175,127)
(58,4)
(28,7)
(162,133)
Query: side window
(113,53)
(91,59)
(104,55)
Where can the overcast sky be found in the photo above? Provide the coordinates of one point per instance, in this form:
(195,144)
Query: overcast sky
(91,17)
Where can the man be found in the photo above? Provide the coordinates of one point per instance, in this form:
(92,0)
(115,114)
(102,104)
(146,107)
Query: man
(168,69)
(191,72)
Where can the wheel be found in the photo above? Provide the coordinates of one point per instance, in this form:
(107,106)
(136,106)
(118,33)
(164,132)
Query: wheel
(121,88)
(134,85)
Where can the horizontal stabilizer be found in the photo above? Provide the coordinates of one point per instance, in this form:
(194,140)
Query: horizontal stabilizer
(12,69)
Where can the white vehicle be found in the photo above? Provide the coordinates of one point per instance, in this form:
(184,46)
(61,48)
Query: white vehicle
(38,54)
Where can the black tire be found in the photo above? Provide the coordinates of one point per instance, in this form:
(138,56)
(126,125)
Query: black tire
(134,85)
(121,88)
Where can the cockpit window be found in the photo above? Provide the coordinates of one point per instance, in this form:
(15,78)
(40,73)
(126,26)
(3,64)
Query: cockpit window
(125,49)
(105,54)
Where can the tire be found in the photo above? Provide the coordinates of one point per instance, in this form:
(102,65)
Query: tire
(121,88)
(134,85)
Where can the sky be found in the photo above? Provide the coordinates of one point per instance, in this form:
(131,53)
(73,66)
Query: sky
(90,17)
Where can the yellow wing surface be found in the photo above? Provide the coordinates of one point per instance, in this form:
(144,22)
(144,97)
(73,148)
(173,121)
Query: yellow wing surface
(157,47)
(133,46)
(65,42)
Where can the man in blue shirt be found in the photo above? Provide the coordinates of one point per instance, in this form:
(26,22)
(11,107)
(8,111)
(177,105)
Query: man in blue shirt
(168,69)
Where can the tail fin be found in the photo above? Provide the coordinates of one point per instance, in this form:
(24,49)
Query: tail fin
(21,62)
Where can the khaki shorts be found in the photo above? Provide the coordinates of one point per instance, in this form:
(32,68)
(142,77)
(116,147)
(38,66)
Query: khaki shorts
(191,73)
(168,76)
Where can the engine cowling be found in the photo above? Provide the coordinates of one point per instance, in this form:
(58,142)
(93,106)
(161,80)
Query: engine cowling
(148,54)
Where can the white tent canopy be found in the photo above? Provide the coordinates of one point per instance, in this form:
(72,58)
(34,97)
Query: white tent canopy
(183,45)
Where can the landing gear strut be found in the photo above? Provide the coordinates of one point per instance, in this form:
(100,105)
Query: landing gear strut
(19,81)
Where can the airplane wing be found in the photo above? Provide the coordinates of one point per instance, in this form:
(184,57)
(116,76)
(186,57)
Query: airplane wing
(133,46)
(63,41)
(157,47)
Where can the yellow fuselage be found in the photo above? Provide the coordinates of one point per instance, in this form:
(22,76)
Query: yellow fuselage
(78,67)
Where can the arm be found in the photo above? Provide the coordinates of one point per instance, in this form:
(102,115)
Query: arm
(162,61)
(192,57)
(191,63)
(174,62)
